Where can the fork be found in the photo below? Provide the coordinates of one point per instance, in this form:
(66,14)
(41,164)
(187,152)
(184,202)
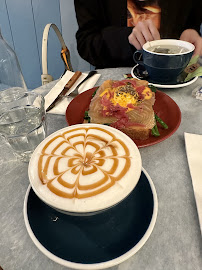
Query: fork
(75,92)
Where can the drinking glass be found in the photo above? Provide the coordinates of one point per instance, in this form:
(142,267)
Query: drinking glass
(22,120)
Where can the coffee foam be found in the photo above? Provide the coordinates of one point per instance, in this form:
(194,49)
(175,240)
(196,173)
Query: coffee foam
(85,168)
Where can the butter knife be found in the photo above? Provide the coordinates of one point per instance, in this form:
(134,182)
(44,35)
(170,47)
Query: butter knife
(69,84)
(75,92)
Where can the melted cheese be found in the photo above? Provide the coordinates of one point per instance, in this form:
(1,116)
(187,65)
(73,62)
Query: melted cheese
(123,99)
(147,93)
(107,92)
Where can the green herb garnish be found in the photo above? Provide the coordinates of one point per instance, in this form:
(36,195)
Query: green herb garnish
(155,131)
(158,119)
(86,116)
(93,94)
(152,87)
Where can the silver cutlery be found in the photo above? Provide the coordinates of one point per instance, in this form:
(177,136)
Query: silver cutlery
(67,87)
(75,92)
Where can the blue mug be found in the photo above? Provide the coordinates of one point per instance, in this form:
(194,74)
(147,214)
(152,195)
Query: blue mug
(162,66)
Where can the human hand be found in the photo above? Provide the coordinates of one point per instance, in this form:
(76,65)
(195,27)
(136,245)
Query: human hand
(144,31)
(193,37)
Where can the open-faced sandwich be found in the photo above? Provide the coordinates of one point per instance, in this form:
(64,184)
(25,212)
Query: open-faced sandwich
(126,105)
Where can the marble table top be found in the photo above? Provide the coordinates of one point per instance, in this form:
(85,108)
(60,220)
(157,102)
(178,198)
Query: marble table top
(175,242)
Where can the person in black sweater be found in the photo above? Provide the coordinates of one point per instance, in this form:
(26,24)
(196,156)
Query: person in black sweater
(111,30)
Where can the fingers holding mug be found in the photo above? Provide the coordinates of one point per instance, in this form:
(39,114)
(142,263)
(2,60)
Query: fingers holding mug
(193,37)
(144,31)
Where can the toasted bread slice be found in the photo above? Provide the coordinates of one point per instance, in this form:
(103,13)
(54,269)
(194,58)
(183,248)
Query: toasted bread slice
(113,105)
(136,133)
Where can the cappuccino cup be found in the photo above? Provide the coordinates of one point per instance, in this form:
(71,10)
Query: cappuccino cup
(84,169)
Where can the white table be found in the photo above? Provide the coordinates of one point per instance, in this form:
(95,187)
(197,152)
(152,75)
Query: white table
(175,243)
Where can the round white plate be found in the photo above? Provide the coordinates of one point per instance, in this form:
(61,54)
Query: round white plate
(166,85)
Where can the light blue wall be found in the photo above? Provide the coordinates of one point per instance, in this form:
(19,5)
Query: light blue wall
(5,23)
(24,38)
(48,11)
(22,23)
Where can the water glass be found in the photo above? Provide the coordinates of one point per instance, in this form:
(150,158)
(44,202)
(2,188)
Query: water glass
(22,120)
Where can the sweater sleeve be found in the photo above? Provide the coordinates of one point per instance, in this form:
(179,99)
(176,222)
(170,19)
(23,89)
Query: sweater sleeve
(99,42)
(194,19)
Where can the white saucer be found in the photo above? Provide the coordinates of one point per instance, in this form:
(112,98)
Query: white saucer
(166,85)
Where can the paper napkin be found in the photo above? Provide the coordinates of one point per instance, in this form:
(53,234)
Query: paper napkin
(193,144)
(61,107)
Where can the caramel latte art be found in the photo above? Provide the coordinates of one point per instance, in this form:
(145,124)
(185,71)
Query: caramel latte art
(85,168)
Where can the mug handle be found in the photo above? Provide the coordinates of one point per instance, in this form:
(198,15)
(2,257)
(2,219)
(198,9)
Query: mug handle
(138,57)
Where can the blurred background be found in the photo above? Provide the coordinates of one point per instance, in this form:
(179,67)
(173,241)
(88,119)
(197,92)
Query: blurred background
(22,23)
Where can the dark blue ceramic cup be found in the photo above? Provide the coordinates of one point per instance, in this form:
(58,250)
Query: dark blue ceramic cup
(161,66)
